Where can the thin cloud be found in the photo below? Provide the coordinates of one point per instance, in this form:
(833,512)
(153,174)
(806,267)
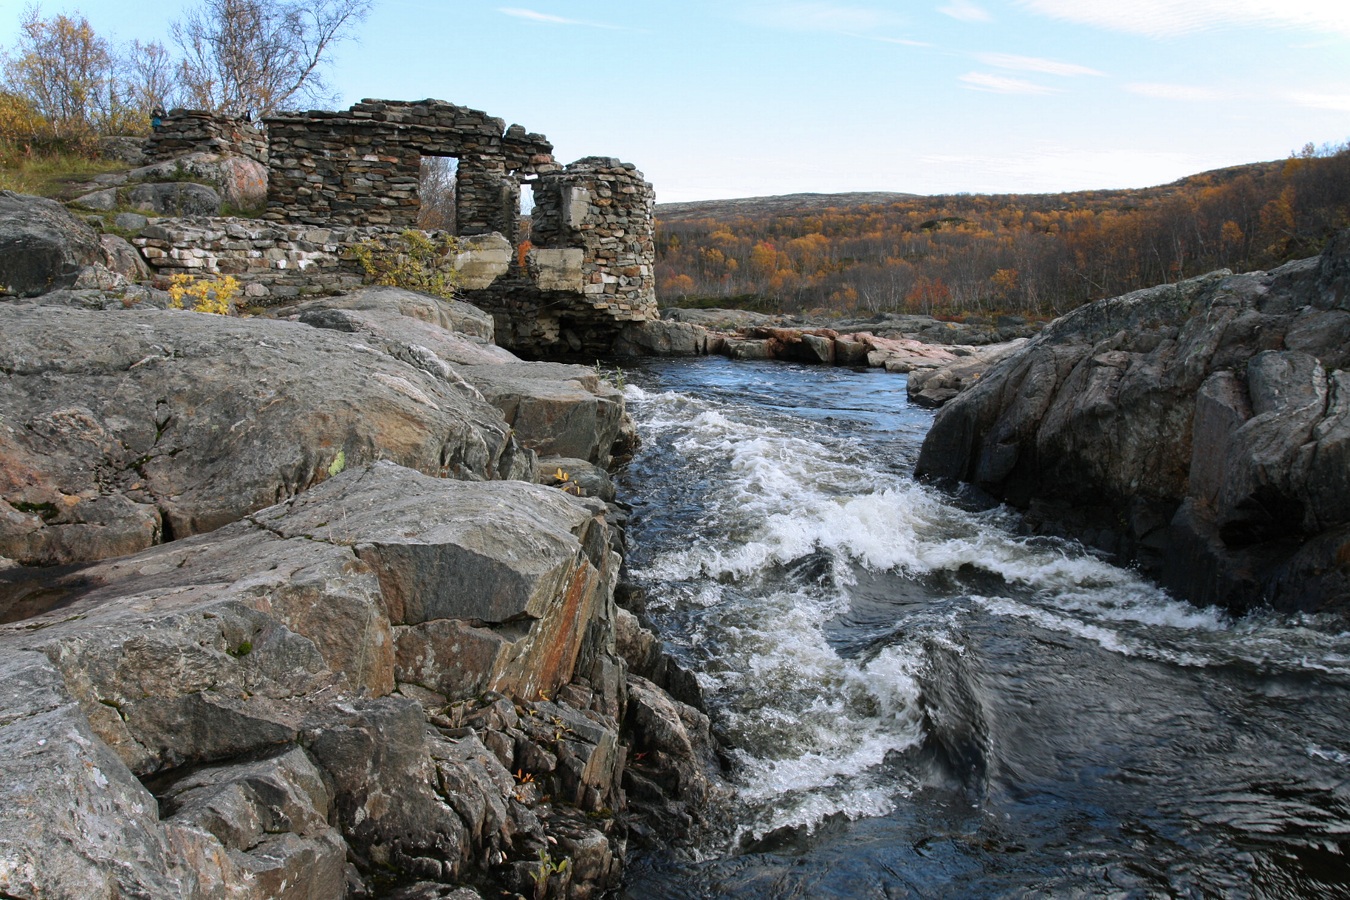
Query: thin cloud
(1333,102)
(531,15)
(1002,84)
(965,11)
(826,17)
(1187,93)
(1172,18)
(1035,64)
(902,41)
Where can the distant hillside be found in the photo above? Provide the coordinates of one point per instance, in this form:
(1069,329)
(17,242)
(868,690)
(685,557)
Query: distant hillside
(1036,254)
(781,204)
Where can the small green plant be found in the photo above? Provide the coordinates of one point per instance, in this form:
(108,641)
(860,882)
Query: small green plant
(611,374)
(206,295)
(415,260)
(339,463)
(244,649)
(548,867)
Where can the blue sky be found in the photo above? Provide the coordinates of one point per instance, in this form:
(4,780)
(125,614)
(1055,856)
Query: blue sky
(736,98)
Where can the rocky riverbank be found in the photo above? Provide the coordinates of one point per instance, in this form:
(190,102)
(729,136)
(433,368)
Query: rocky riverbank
(1200,429)
(317,605)
(941,358)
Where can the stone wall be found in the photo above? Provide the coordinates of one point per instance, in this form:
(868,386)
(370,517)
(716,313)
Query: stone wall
(589,267)
(360,166)
(276,263)
(192,130)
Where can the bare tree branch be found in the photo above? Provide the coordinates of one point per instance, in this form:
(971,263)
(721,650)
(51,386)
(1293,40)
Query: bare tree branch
(257,55)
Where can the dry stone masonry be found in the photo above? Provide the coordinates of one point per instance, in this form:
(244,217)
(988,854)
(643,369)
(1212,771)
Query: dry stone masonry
(186,131)
(360,167)
(336,179)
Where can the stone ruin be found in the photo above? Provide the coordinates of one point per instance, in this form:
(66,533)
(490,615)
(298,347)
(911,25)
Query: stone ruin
(336,179)
(192,130)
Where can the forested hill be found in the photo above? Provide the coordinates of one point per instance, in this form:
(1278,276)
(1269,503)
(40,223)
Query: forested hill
(1035,254)
(782,204)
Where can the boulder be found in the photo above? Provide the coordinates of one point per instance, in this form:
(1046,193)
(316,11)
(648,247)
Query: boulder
(129,221)
(555,409)
(238,180)
(74,822)
(1199,429)
(464,319)
(122,429)
(42,246)
(270,815)
(743,349)
(577,477)
(934,387)
(663,338)
(104,200)
(175,198)
(123,258)
(489,586)
(124,148)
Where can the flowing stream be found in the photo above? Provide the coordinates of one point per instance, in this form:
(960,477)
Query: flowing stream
(917,701)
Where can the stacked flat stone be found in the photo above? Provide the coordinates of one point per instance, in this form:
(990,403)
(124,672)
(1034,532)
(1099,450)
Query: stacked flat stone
(361,166)
(274,262)
(186,131)
(605,207)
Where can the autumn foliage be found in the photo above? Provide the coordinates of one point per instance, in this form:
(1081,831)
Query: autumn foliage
(1040,255)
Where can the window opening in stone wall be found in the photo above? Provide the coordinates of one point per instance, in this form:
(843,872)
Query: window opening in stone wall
(436,191)
(526,210)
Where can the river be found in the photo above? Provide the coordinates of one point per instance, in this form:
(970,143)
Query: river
(918,701)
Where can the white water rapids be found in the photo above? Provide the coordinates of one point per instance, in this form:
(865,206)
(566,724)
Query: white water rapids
(888,669)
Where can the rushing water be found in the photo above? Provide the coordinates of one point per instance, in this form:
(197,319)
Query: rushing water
(919,702)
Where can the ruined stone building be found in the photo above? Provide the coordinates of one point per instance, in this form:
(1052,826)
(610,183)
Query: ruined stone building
(338,178)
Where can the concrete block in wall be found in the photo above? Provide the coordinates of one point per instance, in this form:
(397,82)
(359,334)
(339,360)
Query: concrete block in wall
(557,270)
(482,259)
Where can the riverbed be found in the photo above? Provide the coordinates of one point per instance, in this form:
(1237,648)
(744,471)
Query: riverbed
(917,700)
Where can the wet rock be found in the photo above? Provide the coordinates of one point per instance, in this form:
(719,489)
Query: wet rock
(576,477)
(666,338)
(674,772)
(1177,427)
(747,349)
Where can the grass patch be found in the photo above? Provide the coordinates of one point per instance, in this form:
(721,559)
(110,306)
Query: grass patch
(56,173)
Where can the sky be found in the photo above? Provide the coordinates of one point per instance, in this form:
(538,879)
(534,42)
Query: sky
(716,99)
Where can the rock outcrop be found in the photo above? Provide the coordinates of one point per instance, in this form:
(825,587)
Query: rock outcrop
(44,248)
(122,429)
(1201,429)
(259,683)
(403,677)
(938,371)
